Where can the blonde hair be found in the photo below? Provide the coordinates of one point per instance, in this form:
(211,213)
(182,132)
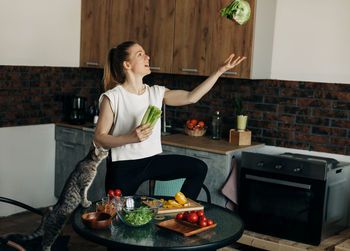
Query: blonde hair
(113,71)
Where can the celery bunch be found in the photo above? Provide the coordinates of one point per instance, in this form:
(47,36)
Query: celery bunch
(151,115)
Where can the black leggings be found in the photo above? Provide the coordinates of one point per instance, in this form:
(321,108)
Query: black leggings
(128,175)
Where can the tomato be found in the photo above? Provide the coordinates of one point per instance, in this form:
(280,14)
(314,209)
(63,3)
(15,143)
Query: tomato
(203,218)
(111,193)
(196,128)
(190,125)
(203,223)
(200,213)
(185,216)
(118,192)
(188,121)
(193,217)
(210,222)
(201,124)
(194,122)
(180,216)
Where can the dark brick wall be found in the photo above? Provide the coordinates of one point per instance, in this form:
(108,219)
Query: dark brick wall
(39,95)
(303,115)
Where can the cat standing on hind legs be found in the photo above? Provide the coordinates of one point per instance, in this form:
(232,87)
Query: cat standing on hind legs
(74,193)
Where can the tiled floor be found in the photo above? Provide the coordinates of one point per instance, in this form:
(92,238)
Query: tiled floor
(28,222)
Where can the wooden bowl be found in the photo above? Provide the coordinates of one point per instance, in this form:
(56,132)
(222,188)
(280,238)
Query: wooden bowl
(195,133)
(96,220)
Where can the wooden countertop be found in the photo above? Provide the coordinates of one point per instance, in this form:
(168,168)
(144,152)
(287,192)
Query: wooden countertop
(205,143)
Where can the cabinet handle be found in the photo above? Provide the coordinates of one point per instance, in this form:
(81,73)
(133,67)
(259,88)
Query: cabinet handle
(230,73)
(68,145)
(92,63)
(68,131)
(189,70)
(201,156)
(155,68)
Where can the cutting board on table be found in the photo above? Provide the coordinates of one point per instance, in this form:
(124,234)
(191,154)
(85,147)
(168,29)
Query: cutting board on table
(191,205)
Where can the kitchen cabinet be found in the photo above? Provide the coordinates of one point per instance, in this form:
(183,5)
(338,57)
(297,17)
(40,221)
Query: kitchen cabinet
(201,47)
(181,36)
(94,33)
(148,22)
(218,170)
(107,23)
(192,36)
(230,37)
(72,145)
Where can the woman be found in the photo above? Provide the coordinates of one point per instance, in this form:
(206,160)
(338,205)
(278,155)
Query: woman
(135,148)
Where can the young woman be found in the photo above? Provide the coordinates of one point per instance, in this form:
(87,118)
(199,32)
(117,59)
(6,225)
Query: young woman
(135,149)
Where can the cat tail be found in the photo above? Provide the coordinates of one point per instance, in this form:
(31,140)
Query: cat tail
(39,231)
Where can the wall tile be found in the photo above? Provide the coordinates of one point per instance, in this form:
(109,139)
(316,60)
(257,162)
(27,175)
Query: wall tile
(294,114)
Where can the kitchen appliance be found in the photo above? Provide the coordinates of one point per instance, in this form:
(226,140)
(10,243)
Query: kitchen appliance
(77,113)
(293,196)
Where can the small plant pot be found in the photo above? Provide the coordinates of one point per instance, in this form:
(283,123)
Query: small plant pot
(242,123)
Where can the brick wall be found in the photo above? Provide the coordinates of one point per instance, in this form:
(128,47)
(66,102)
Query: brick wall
(303,115)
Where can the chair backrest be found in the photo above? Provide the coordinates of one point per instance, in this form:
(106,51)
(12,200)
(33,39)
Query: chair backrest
(168,188)
(171,187)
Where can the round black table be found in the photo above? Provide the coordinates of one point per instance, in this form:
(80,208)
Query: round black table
(151,237)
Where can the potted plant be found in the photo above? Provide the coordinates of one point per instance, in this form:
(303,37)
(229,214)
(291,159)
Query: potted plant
(241,117)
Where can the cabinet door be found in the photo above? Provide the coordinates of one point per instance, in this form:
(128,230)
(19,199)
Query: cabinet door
(192,36)
(94,33)
(67,156)
(230,37)
(97,188)
(216,175)
(148,22)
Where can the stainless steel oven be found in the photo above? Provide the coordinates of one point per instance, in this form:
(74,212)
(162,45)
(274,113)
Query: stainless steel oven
(297,197)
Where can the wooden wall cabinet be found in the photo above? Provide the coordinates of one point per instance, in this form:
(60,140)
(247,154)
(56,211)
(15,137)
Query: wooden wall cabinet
(149,22)
(181,36)
(94,33)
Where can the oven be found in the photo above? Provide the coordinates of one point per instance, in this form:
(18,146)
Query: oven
(292,196)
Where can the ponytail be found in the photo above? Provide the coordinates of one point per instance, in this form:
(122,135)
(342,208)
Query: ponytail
(114,71)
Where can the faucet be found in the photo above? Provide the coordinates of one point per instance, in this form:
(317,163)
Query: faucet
(165,126)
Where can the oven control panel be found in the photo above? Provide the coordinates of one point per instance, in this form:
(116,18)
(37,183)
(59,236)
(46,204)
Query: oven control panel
(284,165)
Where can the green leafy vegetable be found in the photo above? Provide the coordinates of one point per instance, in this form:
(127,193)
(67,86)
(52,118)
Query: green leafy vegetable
(139,216)
(239,10)
(151,115)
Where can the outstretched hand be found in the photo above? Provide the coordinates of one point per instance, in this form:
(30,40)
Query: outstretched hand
(231,62)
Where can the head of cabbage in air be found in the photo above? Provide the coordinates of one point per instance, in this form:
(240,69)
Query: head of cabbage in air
(238,10)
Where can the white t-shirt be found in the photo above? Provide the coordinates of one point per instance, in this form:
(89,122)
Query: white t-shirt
(128,109)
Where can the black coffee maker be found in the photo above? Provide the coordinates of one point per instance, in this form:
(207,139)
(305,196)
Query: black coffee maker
(77,114)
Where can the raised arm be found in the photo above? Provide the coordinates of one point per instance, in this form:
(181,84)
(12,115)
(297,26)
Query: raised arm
(182,97)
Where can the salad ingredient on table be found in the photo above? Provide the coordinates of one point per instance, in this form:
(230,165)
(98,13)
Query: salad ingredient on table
(139,216)
(180,201)
(197,217)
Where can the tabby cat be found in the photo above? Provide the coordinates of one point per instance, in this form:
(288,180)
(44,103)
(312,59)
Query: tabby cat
(74,193)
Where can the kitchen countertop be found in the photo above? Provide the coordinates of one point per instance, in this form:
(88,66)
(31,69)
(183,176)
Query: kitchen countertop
(203,143)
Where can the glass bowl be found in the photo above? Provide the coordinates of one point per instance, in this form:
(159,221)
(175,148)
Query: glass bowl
(137,211)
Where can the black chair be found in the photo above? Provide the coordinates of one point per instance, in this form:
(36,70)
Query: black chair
(12,242)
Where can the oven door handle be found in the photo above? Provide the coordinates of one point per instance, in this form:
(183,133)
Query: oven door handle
(279,182)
